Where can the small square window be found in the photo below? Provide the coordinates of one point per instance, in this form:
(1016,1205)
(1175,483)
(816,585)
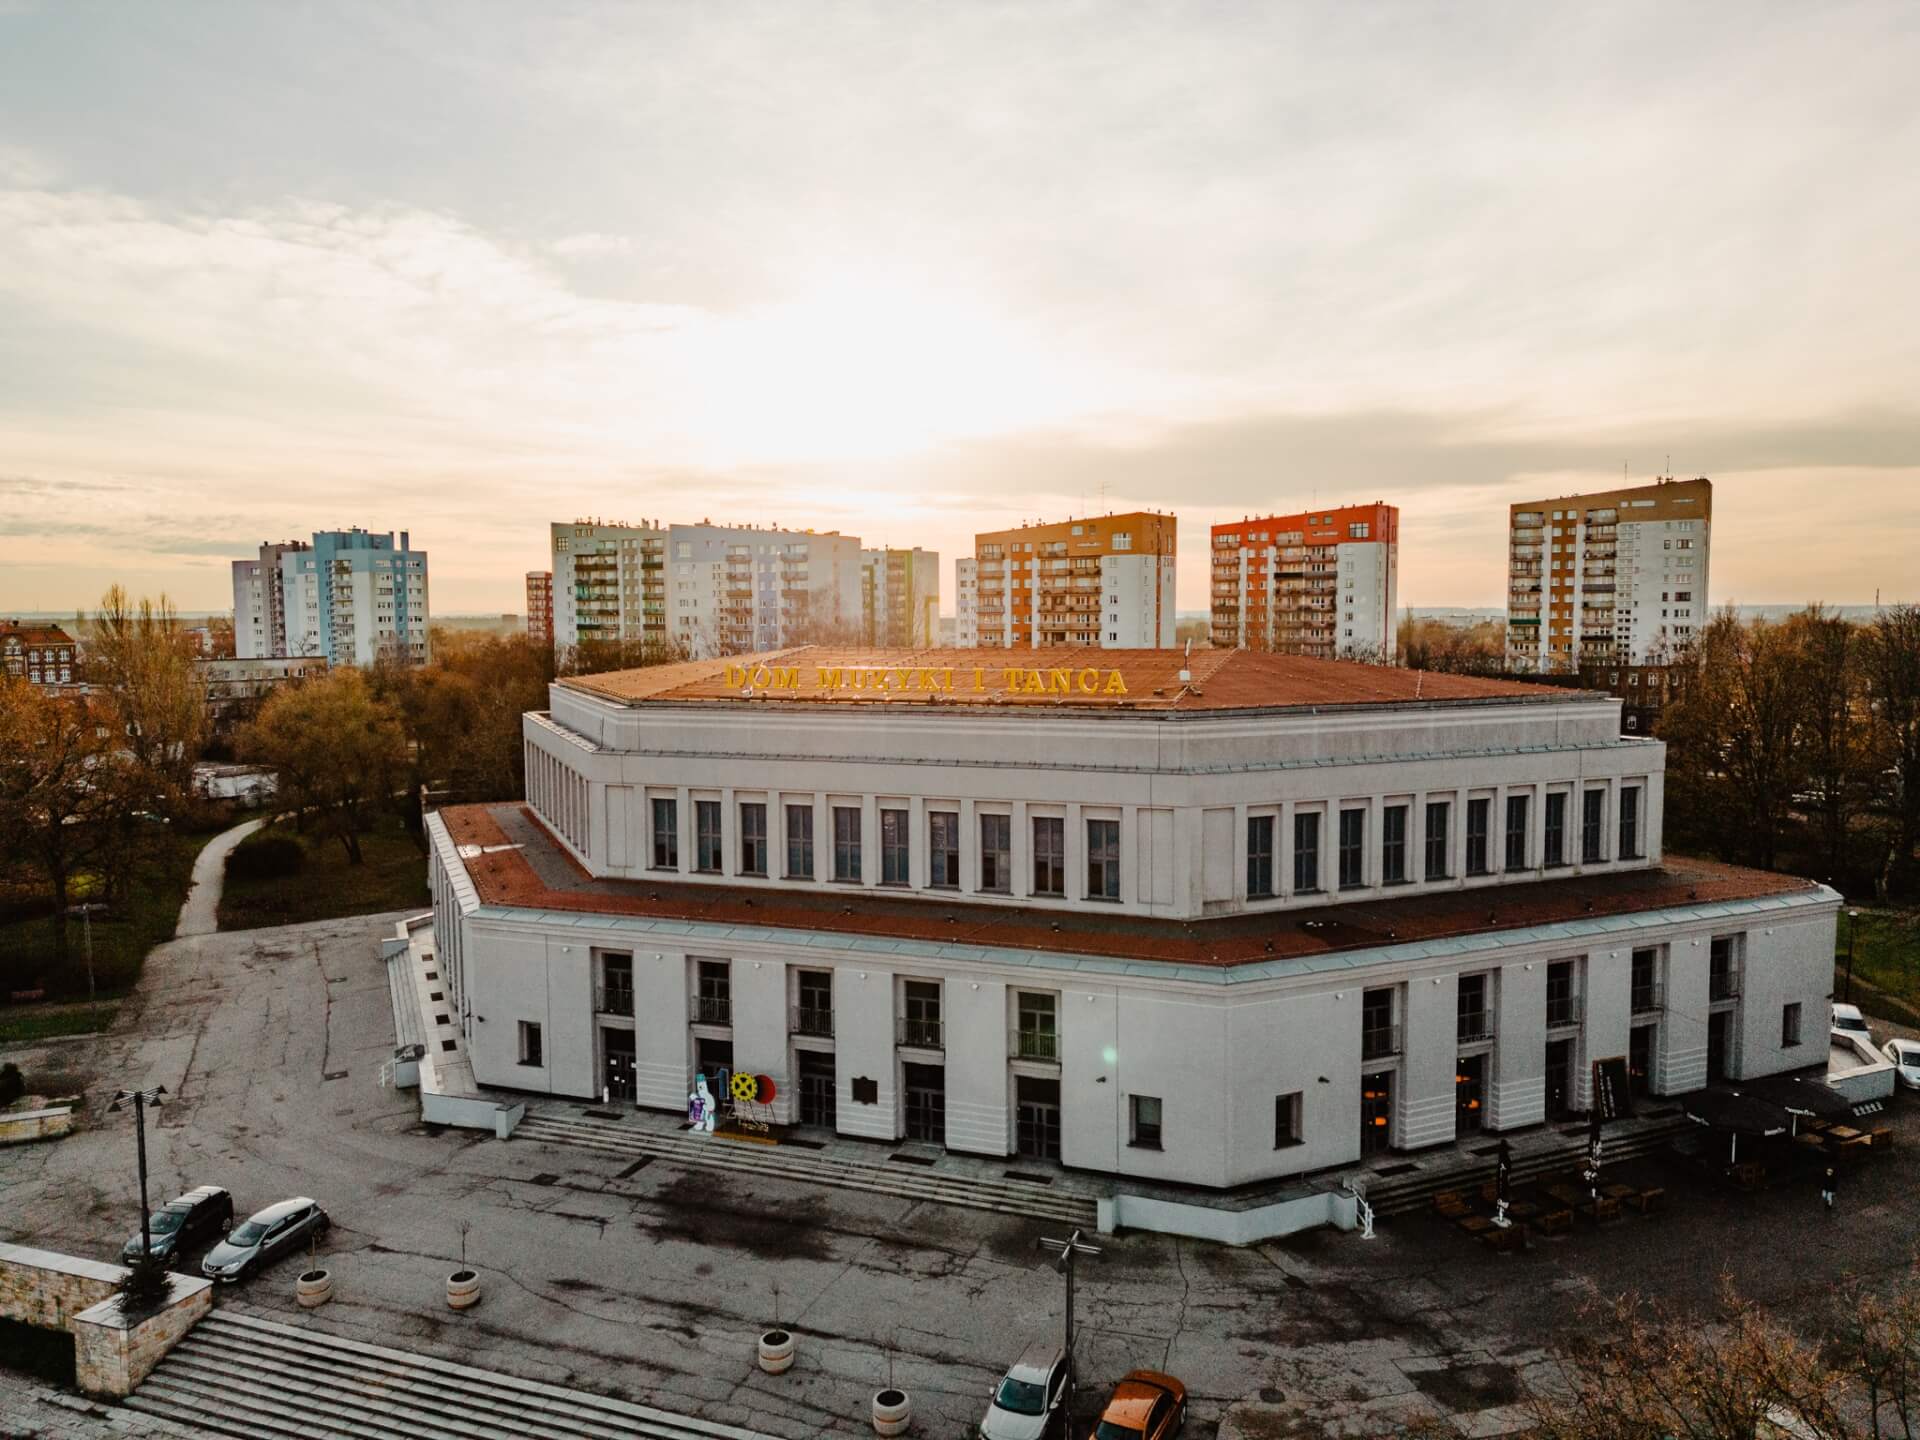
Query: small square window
(1146,1121)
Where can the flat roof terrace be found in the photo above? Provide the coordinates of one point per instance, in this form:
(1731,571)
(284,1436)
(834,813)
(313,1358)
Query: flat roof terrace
(1054,681)
(514,863)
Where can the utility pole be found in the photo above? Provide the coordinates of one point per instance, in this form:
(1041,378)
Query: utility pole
(1065,1251)
(141,1100)
(85,912)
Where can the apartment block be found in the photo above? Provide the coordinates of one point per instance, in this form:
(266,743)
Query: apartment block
(1616,577)
(540,607)
(966,602)
(45,656)
(900,597)
(351,596)
(1323,583)
(1106,581)
(703,589)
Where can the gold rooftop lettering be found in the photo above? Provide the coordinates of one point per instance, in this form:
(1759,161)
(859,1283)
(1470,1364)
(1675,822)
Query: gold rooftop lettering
(922,679)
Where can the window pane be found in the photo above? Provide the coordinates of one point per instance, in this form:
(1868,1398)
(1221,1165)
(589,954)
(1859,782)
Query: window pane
(1436,867)
(799,842)
(894,848)
(1629,824)
(1103,859)
(1478,818)
(996,853)
(1593,811)
(706,823)
(1259,855)
(846,843)
(943,849)
(1353,863)
(1556,837)
(753,838)
(1516,832)
(666,835)
(1393,845)
(1049,855)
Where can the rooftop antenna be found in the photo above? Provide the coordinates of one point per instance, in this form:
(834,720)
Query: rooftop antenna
(1186,663)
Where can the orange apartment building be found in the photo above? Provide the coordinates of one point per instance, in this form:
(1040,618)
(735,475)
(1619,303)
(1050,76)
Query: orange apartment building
(1323,583)
(1106,581)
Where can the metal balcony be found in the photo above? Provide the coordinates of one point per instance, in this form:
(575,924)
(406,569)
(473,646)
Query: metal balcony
(613,1000)
(1724,985)
(918,1034)
(710,1010)
(1647,999)
(1377,1042)
(813,1020)
(1563,1014)
(1475,1029)
(1034,1044)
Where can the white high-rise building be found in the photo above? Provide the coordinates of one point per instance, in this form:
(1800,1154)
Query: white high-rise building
(609,584)
(1618,577)
(348,595)
(966,592)
(1323,583)
(1106,581)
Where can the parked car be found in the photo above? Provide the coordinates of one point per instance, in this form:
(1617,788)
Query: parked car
(1905,1055)
(263,1238)
(1029,1403)
(1145,1406)
(1849,1019)
(179,1225)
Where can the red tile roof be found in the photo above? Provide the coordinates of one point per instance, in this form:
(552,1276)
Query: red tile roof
(534,872)
(1051,680)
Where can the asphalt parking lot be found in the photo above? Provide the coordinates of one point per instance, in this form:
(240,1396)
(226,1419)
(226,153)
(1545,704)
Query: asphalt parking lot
(653,1281)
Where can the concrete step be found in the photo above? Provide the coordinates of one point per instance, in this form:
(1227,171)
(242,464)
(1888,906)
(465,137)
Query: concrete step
(240,1374)
(1402,1194)
(1004,1197)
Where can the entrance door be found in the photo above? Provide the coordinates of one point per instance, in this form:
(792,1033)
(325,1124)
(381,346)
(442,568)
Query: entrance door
(617,1066)
(926,1087)
(819,1088)
(1559,1079)
(1640,1061)
(1036,1117)
(1470,1095)
(1719,1028)
(1376,1112)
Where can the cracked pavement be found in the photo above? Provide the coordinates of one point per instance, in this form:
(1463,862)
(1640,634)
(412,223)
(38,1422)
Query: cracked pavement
(653,1281)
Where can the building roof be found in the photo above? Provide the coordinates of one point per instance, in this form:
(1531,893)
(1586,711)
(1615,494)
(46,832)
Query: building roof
(1061,680)
(515,864)
(34,634)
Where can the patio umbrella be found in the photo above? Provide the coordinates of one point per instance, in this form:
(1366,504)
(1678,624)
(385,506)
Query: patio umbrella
(1737,1115)
(1803,1099)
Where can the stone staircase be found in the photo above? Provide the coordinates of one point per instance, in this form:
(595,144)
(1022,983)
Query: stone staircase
(937,1187)
(237,1375)
(1400,1194)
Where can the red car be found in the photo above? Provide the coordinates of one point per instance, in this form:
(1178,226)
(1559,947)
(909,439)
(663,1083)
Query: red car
(1145,1406)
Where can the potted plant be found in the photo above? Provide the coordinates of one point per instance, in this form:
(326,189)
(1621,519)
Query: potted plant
(463,1285)
(315,1285)
(892,1407)
(776,1344)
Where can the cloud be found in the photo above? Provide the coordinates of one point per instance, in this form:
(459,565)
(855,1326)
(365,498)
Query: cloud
(591,244)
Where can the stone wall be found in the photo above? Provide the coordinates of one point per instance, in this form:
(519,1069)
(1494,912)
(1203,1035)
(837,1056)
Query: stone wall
(112,1354)
(40,1287)
(25,1125)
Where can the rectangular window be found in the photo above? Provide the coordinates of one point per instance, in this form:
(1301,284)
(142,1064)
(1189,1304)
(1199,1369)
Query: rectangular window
(753,838)
(894,847)
(1790,1025)
(1644,981)
(1037,1037)
(920,1024)
(1436,868)
(1723,970)
(1629,824)
(800,842)
(1259,856)
(1593,810)
(996,853)
(1563,1006)
(707,854)
(1049,855)
(1556,838)
(943,849)
(1479,817)
(666,835)
(1516,832)
(1475,1019)
(530,1051)
(1306,852)
(1286,1120)
(1146,1121)
(713,996)
(1393,845)
(1353,855)
(1103,859)
(846,843)
(814,1014)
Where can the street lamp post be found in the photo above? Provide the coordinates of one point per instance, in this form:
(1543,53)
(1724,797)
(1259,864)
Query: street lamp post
(1067,1249)
(141,1100)
(1853,924)
(85,912)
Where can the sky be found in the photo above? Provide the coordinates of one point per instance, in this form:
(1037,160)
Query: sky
(914,271)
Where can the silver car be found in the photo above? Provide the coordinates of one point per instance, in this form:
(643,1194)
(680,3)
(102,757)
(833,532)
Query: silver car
(1905,1055)
(1030,1402)
(264,1238)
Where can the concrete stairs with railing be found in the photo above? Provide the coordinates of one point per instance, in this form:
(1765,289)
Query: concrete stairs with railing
(717,1152)
(242,1376)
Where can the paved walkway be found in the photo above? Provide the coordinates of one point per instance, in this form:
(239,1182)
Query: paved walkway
(200,915)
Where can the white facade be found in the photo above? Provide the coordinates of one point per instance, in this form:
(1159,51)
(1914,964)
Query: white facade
(966,601)
(609,584)
(348,596)
(1123,1045)
(1369,577)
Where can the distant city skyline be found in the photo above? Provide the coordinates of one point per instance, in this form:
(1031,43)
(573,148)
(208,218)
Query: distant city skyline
(920,274)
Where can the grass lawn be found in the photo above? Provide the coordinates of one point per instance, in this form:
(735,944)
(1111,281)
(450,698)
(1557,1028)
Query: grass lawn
(46,1022)
(393,876)
(1886,954)
(121,938)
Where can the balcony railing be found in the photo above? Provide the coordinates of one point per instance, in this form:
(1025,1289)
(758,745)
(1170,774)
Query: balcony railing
(918,1034)
(1724,985)
(1646,999)
(1564,1013)
(613,1000)
(1379,1041)
(710,1010)
(1476,1028)
(1034,1044)
(814,1020)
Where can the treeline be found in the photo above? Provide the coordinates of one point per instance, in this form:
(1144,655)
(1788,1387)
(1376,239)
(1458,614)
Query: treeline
(1797,745)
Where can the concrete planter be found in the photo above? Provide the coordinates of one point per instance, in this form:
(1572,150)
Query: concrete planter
(776,1351)
(892,1412)
(314,1287)
(463,1289)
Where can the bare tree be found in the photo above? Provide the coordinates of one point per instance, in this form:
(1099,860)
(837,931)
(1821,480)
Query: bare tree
(142,660)
(1891,650)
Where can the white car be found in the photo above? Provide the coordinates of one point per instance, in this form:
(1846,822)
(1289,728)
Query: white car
(1905,1055)
(1030,1402)
(1849,1018)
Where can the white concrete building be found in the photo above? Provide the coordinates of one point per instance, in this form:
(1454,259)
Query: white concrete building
(966,602)
(1104,581)
(1248,920)
(609,584)
(350,596)
(1324,583)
